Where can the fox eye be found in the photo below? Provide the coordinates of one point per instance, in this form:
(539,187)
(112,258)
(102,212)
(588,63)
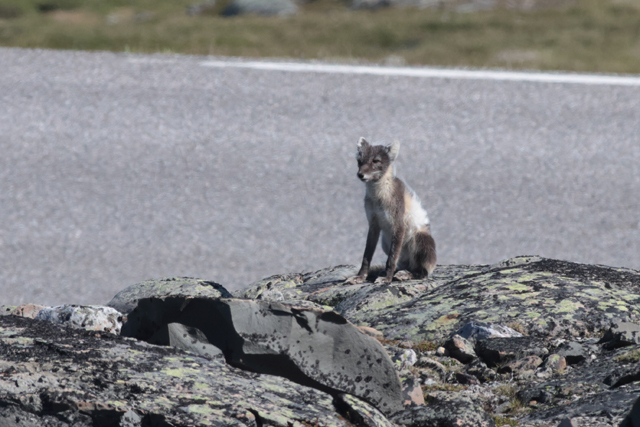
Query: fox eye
(376,160)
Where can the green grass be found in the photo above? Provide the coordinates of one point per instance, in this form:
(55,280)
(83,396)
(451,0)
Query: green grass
(590,35)
(503,421)
(632,356)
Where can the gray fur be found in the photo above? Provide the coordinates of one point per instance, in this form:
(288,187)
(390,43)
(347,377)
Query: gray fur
(394,211)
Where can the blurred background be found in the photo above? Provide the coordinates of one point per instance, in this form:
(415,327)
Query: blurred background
(570,35)
(125,157)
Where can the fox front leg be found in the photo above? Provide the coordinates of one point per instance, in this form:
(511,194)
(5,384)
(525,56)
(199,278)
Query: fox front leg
(394,254)
(370,248)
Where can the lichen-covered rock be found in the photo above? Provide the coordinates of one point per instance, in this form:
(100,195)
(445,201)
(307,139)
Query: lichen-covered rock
(312,347)
(24,310)
(56,376)
(127,299)
(89,317)
(546,298)
(454,412)
(538,296)
(476,331)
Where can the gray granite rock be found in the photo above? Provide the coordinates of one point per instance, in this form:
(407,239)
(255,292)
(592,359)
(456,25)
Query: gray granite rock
(311,347)
(127,299)
(56,376)
(90,317)
(621,334)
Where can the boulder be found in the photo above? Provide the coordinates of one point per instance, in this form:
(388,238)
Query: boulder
(56,376)
(127,299)
(460,349)
(621,334)
(572,352)
(89,317)
(547,298)
(311,347)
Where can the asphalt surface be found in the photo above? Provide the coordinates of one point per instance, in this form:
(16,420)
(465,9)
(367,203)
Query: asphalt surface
(116,168)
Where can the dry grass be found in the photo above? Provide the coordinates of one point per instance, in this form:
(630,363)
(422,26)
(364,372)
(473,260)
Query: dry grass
(590,35)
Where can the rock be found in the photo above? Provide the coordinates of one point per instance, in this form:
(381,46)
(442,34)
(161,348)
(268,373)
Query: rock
(433,365)
(126,300)
(521,367)
(476,331)
(84,378)
(456,412)
(359,413)
(466,379)
(404,358)
(371,332)
(24,310)
(260,7)
(566,422)
(548,298)
(555,362)
(460,349)
(573,352)
(311,347)
(480,370)
(441,351)
(411,390)
(621,334)
(89,317)
(499,351)
(534,394)
(633,418)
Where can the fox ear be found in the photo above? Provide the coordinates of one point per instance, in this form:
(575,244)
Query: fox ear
(362,143)
(393,150)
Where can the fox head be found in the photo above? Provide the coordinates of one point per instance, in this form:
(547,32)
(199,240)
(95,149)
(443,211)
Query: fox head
(375,160)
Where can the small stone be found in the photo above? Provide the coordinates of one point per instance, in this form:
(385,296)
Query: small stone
(466,379)
(573,352)
(460,349)
(555,362)
(441,352)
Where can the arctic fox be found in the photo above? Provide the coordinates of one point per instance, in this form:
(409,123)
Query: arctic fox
(393,209)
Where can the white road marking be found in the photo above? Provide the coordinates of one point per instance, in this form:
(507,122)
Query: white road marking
(426,72)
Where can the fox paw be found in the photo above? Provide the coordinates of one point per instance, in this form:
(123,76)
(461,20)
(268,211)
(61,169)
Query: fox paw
(355,280)
(403,275)
(382,280)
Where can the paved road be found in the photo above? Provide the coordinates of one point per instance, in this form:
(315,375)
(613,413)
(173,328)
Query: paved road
(117,168)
